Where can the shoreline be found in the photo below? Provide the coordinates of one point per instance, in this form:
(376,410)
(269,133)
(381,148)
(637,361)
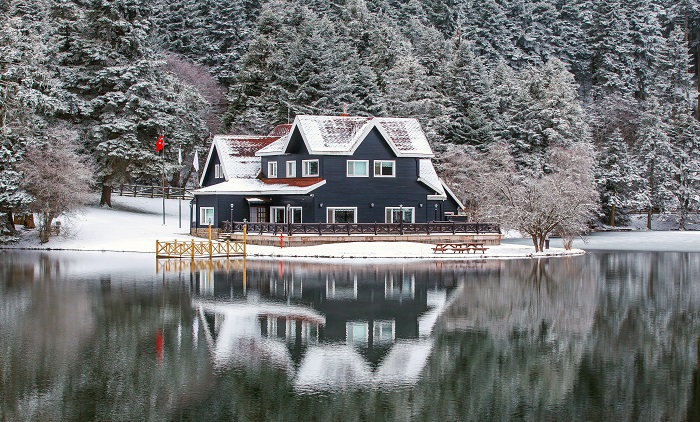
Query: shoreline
(349,251)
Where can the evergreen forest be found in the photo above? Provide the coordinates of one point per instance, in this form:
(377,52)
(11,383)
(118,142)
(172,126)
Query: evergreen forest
(605,89)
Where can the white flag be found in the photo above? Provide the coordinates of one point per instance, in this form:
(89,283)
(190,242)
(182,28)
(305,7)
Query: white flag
(179,156)
(195,162)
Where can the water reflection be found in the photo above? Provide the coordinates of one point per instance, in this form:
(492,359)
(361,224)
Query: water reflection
(598,337)
(347,327)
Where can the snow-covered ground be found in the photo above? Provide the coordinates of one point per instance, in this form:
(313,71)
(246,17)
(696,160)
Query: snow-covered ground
(134,225)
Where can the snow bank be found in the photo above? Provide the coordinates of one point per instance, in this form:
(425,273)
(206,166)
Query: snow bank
(134,225)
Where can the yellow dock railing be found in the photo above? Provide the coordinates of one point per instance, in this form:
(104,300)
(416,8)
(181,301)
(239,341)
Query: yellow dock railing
(192,249)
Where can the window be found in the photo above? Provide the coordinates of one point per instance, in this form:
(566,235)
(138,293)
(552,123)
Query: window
(272,169)
(357,333)
(218,173)
(384,332)
(393,215)
(384,168)
(358,168)
(279,214)
(206,215)
(341,215)
(291,169)
(309,168)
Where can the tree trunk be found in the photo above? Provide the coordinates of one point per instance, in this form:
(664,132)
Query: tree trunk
(536,243)
(10,221)
(106,197)
(45,227)
(612,215)
(649,214)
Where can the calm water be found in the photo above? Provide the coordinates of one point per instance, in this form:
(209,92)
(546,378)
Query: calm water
(100,336)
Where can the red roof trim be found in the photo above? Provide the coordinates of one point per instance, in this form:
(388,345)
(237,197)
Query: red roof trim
(293,181)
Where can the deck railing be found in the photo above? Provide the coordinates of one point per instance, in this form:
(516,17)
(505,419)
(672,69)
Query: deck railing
(170,192)
(192,249)
(434,227)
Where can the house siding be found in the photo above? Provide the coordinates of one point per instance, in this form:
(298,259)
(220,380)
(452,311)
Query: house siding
(209,173)
(370,195)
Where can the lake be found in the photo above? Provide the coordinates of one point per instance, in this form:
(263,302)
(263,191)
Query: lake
(610,335)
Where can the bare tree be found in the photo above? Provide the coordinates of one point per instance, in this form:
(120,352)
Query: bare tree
(56,177)
(561,201)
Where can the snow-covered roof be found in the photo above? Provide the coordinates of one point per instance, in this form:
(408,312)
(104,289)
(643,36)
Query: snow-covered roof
(237,152)
(428,176)
(341,135)
(248,186)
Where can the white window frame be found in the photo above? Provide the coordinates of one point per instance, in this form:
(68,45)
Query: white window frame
(330,211)
(305,168)
(272,169)
(379,173)
(285,214)
(291,169)
(203,216)
(351,163)
(389,211)
(218,173)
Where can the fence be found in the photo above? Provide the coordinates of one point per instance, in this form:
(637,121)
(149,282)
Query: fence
(170,192)
(192,249)
(435,227)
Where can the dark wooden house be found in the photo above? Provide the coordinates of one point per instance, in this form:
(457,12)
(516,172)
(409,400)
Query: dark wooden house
(324,169)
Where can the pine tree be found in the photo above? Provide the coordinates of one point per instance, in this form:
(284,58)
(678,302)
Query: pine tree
(123,99)
(617,177)
(30,93)
(654,149)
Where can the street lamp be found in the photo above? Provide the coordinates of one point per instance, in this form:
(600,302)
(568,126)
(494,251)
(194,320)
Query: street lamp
(231,218)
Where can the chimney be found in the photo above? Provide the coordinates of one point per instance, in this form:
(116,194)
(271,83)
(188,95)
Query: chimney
(345,110)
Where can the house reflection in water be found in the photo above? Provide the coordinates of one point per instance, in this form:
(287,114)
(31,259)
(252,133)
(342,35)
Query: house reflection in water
(327,327)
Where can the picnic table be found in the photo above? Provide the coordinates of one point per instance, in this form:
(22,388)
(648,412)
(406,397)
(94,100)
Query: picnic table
(460,247)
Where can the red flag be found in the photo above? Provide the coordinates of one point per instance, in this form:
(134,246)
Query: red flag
(159,143)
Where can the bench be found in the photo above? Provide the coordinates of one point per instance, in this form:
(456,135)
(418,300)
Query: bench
(459,247)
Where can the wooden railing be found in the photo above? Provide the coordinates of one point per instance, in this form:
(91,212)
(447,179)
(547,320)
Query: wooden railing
(434,227)
(192,249)
(170,192)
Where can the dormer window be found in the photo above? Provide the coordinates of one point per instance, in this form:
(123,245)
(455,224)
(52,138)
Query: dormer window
(272,169)
(309,168)
(218,172)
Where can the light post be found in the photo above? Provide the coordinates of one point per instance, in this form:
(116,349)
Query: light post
(401,219)
(231,221)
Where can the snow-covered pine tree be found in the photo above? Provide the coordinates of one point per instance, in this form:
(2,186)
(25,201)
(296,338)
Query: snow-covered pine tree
(123,98)
(654,155)
(685,155)
(29,94)
(544,113)
(617,177)
(472,104)
(611,48)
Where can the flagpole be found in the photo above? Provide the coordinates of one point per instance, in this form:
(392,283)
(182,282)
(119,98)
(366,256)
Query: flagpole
(163,162)
(182,190)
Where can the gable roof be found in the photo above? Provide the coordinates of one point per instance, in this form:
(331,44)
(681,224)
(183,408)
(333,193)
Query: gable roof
(237,153)
(428,176)
(341,135)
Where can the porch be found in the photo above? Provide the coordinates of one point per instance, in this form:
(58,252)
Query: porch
(304,234)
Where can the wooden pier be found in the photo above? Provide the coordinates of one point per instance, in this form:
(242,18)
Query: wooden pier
(200,249)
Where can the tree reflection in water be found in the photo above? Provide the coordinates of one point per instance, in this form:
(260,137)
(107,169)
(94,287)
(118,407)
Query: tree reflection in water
(596,337)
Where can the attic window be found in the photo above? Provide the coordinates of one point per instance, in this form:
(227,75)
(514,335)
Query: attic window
(272,169)
(217,171)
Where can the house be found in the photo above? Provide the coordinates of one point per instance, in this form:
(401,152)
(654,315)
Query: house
(324,169)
